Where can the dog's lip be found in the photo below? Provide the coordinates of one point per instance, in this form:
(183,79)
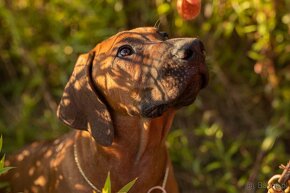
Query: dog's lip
(204,75)
(155,110)
(204,79)
(189,94)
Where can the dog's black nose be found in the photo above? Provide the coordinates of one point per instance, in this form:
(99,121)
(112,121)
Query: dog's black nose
(188,48)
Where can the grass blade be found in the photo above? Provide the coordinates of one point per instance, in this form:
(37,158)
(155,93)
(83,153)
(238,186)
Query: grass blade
(128,186)
(107,186)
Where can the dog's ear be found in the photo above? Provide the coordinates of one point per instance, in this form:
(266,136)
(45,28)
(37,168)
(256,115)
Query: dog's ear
(81,107)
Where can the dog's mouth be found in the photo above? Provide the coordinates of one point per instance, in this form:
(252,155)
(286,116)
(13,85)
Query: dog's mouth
(154,111)
(189,94)
(203,80)
(186,98)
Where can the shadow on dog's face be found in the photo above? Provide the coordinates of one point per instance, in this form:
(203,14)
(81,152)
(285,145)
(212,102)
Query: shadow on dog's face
(138,73)
(143,73)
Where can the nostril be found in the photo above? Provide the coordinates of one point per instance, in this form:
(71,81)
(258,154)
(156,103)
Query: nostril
(188,49)
(188,53)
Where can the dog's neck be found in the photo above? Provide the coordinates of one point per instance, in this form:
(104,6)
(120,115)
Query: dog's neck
(140,135)
(139,146)
(136,138)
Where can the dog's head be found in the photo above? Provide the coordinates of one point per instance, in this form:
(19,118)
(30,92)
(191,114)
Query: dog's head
(139,72)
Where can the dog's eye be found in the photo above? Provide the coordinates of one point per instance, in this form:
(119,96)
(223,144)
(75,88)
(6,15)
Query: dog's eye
(164,35)
(125,51)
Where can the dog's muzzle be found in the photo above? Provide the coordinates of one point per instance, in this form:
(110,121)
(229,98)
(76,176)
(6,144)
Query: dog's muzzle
(188,72)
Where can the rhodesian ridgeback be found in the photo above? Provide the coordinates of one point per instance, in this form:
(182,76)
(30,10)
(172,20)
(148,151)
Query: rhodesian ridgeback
(121,98)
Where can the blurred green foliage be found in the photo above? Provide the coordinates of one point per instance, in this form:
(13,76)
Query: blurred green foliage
(235,135)
(2,168)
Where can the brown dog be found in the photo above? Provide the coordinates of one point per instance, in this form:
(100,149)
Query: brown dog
(122,98)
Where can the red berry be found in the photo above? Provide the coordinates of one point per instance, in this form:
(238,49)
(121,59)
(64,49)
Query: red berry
(188,9)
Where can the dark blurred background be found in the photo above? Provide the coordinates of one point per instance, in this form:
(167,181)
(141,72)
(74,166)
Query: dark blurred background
(235,135)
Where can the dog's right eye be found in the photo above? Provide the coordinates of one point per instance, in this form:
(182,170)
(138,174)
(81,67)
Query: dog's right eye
(125,51)
(163,35)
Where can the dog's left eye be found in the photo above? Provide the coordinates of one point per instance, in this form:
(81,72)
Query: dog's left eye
(164,35)
(125,51)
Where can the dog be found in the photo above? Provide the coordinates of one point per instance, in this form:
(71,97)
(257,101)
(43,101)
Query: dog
(121,100)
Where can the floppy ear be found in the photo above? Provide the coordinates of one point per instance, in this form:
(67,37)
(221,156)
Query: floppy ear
(81,107)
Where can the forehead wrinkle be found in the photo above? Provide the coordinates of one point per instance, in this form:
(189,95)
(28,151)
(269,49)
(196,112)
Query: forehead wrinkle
(131,40)
(140,34)
(137,41)
(143,35)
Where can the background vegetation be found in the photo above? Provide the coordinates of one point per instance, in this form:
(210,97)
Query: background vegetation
(235,135)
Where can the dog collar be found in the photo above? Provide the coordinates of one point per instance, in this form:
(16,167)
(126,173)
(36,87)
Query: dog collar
(161,188)
(82,171)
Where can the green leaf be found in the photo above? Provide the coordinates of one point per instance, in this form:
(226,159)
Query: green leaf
(107,186)
(1,140)
(272,133)
(250,28)
(234,148)
(255,55)
(128,186)
(4,170)
(2,162)
(213,166)
(163,8)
